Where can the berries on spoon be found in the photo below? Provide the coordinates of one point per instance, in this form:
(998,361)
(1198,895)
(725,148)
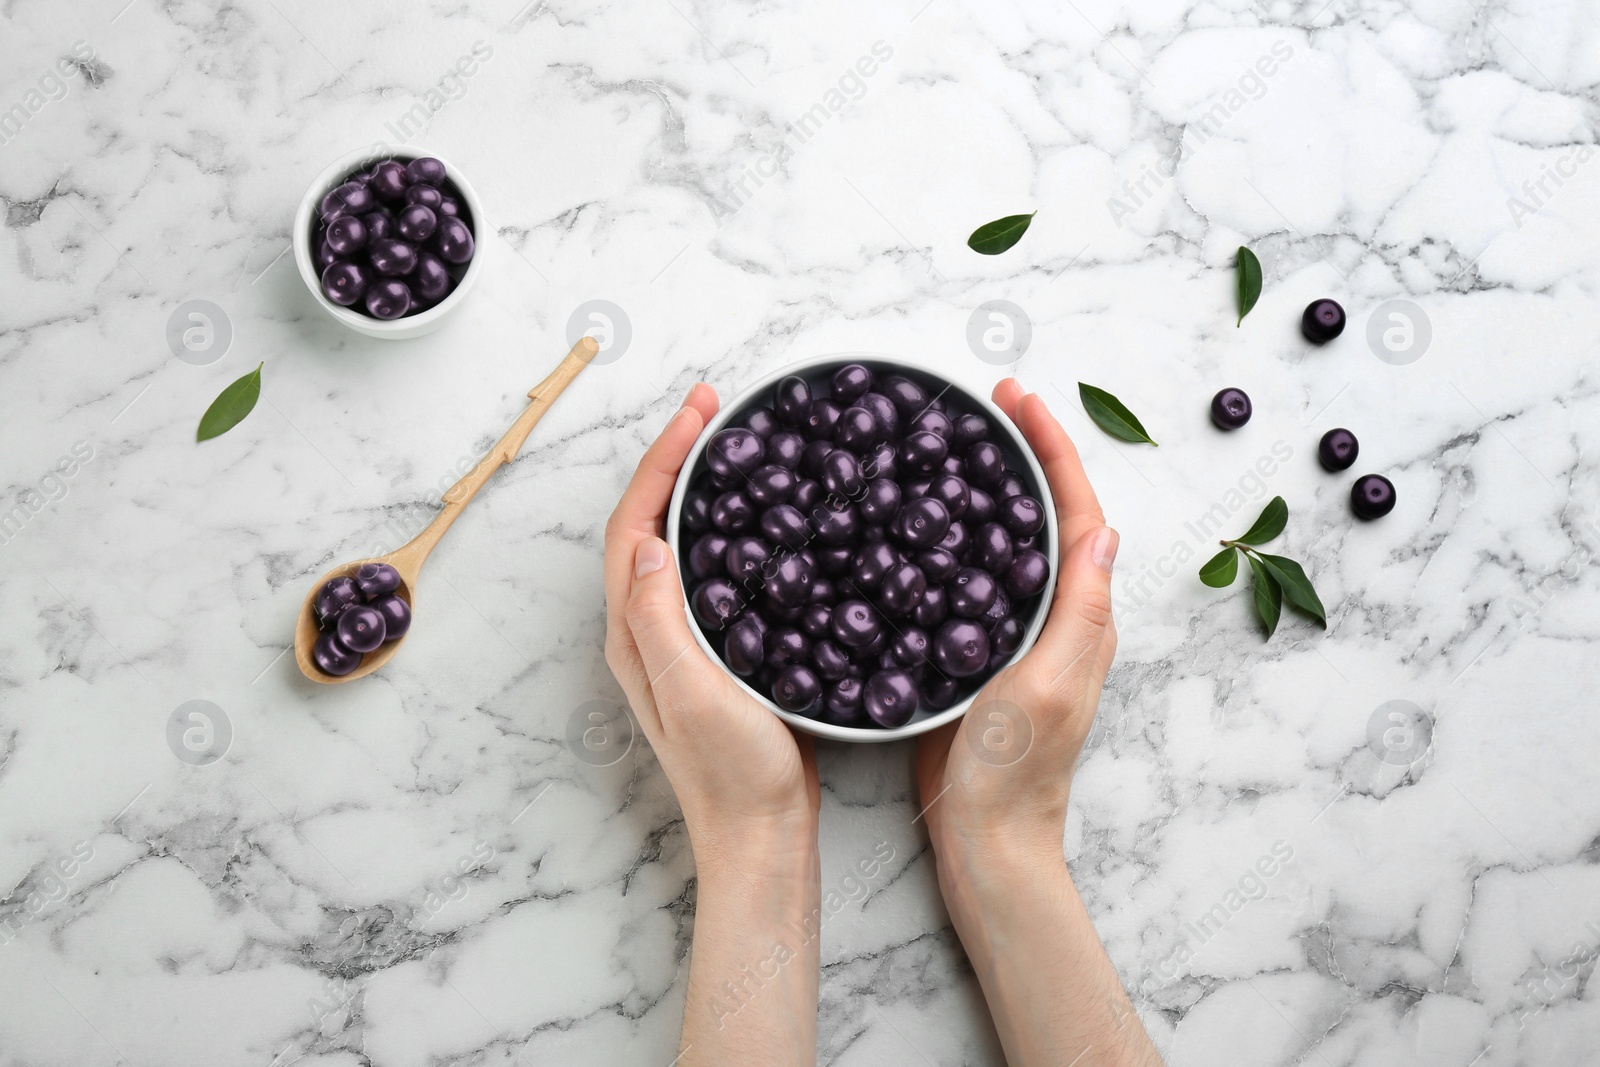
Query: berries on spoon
(1337,450)
(1372,497)
(1230,409)
(1322,322)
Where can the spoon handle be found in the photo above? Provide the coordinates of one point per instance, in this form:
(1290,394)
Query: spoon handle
(408,558)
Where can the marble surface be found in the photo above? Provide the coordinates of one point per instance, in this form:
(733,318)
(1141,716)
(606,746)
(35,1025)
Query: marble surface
(420,869)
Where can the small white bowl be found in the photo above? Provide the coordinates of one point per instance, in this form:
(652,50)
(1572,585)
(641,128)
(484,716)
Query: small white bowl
(408,325)
(1019,455)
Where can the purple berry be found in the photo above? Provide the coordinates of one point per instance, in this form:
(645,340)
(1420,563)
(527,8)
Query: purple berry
(332,657)
(345,282)
(1028,573)
(335,595)
(347,199)
(360,628)
(425,171)
(734,453)
(792,401)
(417,222)
(396,616)
(1322,322)
(796,688)
(972,592)
(856,624)
(1230,409)
(389,180)
(1372,497)
(961,648)
(453,239)
(744,649)
(347,235)
(388,298)
(376,580)
(432,278)
(851,382)
(1338,450)
(890,698)
(426,195)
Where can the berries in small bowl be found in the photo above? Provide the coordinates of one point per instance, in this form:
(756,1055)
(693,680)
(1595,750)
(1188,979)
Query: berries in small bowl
(1230,409)
(387,243)
(356,614)
(863,545)
(1322,321)
(1372,497)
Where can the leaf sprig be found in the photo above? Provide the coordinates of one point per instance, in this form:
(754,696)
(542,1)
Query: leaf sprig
(1275,578)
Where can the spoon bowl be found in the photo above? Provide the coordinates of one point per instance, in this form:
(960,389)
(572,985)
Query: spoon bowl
(306,630)
(409,557)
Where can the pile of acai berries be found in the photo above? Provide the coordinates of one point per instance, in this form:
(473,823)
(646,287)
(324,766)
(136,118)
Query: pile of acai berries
(356,615)
(393,240)
(860,549)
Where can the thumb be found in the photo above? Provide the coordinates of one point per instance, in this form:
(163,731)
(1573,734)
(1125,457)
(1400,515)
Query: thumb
(655,612)
(1080,614)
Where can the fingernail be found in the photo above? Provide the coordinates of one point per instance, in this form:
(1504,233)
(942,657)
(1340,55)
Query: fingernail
(1104,549)
(652,556)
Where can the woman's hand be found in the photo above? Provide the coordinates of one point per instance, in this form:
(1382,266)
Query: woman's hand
(748,789)
(1000,775)
(737,769)
(994,788)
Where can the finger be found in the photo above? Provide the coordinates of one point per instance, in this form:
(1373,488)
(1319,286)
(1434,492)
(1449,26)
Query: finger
(1077,507)
(673,663)
(1005,397)
(644,503)
(1080,614)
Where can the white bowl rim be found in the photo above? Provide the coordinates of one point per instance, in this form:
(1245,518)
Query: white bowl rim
(333,174)
(1051,531)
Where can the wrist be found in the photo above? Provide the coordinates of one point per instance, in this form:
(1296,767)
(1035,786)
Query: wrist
(754,850)
(988,875)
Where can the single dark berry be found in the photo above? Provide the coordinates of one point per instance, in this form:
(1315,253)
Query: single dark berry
(890,697)
(1372,497)
(396,616)
(1230,409)
(332,657)
(1338,449)
(1322,321)
(796,688)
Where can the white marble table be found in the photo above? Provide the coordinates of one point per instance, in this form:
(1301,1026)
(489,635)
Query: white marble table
(419,869)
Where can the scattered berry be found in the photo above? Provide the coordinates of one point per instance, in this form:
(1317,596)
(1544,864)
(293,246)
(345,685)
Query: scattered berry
(1372,497)
(1230,409)
(1322,321)
(1337,450)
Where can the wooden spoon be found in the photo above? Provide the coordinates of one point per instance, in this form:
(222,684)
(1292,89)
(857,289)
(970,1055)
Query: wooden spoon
(408,558)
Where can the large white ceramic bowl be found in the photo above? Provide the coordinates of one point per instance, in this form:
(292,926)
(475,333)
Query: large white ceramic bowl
(1019,456)
(409,325)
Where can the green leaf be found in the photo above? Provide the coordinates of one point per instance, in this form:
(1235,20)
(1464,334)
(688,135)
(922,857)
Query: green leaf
(995,237)
(1220,570)
(1268,596)
(1271,523)
(1249,270)
(231,406)
(1111,416)
(1296,586)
